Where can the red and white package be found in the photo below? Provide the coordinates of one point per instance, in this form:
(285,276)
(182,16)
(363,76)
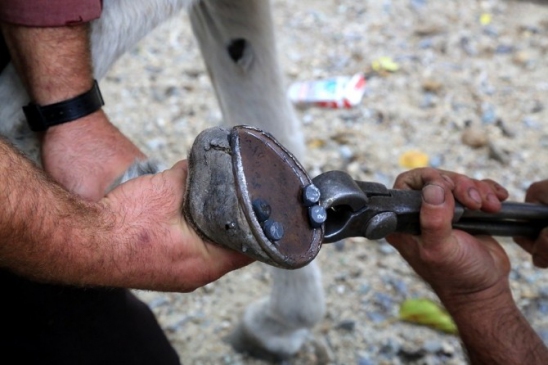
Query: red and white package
(335,92)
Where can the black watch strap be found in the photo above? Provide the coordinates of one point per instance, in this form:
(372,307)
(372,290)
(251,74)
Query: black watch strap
(40,118)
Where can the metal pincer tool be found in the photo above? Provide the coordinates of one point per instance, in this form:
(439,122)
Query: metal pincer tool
(245,191)
(367,209)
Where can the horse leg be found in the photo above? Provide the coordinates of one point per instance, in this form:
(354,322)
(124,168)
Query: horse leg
(237,41)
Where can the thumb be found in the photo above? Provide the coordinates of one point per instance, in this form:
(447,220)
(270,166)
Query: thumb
(436,215)
(180,168)
(176,176)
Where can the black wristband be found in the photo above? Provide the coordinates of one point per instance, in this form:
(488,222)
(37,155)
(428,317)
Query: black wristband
(40,118)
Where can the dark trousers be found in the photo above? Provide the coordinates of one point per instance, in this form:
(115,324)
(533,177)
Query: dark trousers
(60,325)
(4,54)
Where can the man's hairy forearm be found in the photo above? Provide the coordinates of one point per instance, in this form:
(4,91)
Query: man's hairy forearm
(87,154)
(46,232)
(494,331)
(54,63)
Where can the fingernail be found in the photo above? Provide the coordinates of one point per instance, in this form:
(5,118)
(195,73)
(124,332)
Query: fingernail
(433,194)
(492,198)
(475,195)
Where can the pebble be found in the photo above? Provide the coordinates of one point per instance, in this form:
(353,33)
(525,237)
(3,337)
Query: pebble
(365,360)
(347,325)
(432,346)
(498,154)
(376,317)
(346,153)
(390,347)
(474,136)
(488,114)
(386,249)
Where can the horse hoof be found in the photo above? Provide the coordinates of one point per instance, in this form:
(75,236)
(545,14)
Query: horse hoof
(245,191)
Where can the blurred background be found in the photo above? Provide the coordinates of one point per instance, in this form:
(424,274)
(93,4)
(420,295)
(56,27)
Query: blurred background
(455,84)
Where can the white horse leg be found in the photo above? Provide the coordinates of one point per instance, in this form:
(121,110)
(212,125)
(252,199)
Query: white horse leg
(237,42)
(276,326)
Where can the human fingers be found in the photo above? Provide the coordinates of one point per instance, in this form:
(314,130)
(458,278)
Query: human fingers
(501,192)
(526,244)
(538,248)
(472,193)
(477,194)
(537,192)
(174,180)
(436,215)
(417,178)
(178,172)
(181,167)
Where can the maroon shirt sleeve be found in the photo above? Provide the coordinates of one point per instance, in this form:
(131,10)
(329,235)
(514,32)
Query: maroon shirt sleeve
(49,13)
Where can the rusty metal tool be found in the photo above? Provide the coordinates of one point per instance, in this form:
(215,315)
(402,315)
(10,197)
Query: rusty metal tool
(368,209)
(247,192)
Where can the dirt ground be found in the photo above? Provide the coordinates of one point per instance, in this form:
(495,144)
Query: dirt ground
(461,62)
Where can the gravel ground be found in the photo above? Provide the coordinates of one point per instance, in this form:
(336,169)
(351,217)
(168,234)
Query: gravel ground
(453,72)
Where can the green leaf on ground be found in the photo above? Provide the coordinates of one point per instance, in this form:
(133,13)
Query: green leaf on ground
(427,313)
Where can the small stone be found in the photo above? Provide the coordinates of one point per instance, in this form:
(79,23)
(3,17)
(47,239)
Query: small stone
(432,346)
(447,349)
(522,58)
(365,360)
(428,100)
(543,334)
(364,288)
(339,245)
(158,302)
(543,292)
(543,307)
(488,114)
(425,30)
(432,86)
(376,317)
(498,154)
(411,354)
(537,107)
(474,136)
(391,347)
(506,131)
(347,325)
(386,248)
(346,153)
(504,49)
(436,161)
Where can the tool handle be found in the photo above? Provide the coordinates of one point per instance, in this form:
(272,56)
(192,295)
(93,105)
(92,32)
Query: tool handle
(512,220)
(501,229)
(365,209)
